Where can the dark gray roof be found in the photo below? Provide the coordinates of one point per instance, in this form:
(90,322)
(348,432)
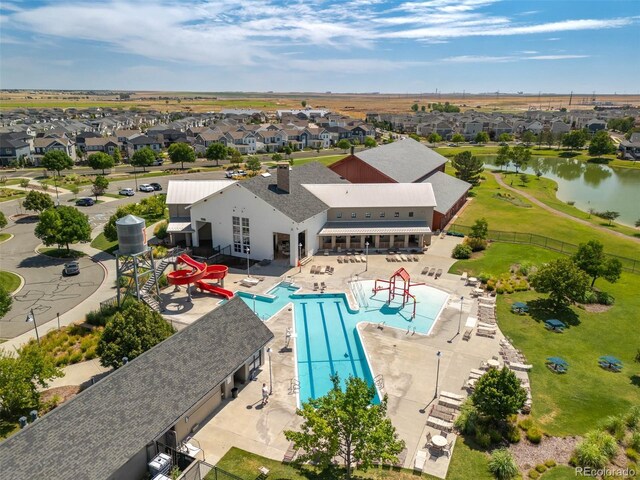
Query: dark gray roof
(299,204)
(447,190)
(97,432)
(405,161)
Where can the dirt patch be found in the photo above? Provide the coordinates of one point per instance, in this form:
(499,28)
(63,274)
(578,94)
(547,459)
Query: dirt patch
(528,455)
(596,308)
(63,394)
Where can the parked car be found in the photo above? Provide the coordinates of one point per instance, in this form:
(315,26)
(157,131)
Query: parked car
(229,174)
(156,186)
(240,173)
(127,191)
(71,268)
(85,202)
(145,187)
(158,162)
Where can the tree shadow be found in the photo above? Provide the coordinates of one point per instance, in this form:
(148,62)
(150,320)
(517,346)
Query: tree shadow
(568,154)
(28,219)
(635,380)
(40,261)
(542,309)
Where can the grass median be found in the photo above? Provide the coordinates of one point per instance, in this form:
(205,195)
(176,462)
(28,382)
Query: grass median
(9,281)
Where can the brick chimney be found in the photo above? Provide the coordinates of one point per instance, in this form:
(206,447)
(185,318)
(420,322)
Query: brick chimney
(353,149)
(283,177)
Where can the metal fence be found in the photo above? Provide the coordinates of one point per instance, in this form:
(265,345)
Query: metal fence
(200,470)
(628,264)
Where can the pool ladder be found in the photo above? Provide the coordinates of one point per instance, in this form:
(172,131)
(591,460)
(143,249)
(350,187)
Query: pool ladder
(294,386)
(378,380)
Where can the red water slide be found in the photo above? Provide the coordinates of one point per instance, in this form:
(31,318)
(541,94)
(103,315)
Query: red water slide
(200,271)
(214,289)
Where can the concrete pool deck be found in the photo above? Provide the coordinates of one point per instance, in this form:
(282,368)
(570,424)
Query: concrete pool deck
(406,362)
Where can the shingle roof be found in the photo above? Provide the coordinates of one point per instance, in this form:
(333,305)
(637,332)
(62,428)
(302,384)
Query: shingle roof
(447,190)
(97,432)
(405,160)
(299,204)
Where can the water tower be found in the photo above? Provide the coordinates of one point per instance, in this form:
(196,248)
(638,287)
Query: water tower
(135,268)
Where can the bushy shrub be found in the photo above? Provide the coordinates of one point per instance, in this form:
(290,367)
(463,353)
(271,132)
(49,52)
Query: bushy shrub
(533,473)
(550,463)
(513,435)
(541,467)
(160,231)
(159,251)
(461,252)
(604,298)
(467,421)
(525,268)
(534,435)
(483,439)
(634,441)
(616,426)
(632,454)
(62,360)
(75,357)
(476,244)
(632,418)
(502,465)
(484,277)
(596,450)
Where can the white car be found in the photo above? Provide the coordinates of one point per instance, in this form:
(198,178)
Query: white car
(127,192)
(145,187)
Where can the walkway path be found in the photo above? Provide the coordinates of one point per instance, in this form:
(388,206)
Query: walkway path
(558,213)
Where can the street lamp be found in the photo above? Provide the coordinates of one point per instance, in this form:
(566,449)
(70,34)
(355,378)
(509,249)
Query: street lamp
(248,251)
(366,253)
(439,354)
(58,315)
(55,184)
(460,319)
(300,256)
(32,318)
(270,372)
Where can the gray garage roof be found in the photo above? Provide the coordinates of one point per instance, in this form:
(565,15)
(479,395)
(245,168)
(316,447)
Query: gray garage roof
(405,161)
(299,204)
(97,432)
(447,190)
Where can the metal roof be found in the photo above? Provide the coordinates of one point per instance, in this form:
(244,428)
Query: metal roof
(374,194)
(186,192)
(179,225)
(375,228)
(103,427)
(447,190)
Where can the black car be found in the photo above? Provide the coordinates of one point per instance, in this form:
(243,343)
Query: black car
(156,186)
(85,202)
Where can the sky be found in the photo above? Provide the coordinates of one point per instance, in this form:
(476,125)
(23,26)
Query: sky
(552,46)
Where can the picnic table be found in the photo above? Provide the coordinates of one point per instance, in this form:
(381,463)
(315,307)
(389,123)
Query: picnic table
(611,363)
(555,325)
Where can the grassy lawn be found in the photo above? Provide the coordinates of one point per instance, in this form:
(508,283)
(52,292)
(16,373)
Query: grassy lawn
(4,237)
(519,215)
(325,160)
(61,253)
(559,473)
(10,281)
(7,194)
(544,189)
(465,464)
(479,150)
(101,243)
(576,402)
(8,428)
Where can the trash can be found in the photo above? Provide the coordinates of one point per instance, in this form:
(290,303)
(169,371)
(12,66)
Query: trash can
(234,392)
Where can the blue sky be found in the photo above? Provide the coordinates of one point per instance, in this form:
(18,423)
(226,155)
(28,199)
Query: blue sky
(322,45)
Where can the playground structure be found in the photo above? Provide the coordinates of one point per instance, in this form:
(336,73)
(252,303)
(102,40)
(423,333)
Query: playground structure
(394,288)
(199,272)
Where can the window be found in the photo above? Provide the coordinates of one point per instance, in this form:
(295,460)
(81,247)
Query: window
(396,214)
(339,215)
(240,234)
(367,215)
(410,214)
(381,214)
(353,215)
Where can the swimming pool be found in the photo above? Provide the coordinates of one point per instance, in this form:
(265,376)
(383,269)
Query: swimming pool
(325,326)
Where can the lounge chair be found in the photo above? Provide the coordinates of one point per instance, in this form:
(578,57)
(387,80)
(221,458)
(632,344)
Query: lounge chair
(438,273)
(322,286)
(404,257)
(290,454)
(467,334)
(314,269)
(421,458)
(416,258)
(447,449)
(449,402)
(402,456)
(398,258)
(424,271)
(263,472)
(339,259)
(464,276)
(315,286)
(432,272)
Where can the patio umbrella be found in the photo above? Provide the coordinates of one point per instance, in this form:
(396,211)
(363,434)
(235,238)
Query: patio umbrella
(557,361)
(519,305)
(610,360)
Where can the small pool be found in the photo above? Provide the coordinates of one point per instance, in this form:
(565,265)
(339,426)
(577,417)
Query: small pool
(325,326)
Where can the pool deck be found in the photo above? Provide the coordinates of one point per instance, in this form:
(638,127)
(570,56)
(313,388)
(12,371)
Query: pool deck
(407,362)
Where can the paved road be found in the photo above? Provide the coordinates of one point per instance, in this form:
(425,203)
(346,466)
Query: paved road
(45,289)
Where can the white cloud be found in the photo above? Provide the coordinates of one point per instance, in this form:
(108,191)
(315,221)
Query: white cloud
(508,58)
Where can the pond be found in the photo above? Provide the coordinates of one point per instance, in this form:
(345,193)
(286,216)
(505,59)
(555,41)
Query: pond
(590,185)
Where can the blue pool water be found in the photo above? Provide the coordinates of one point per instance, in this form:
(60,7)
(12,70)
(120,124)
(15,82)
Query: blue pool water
(327,341)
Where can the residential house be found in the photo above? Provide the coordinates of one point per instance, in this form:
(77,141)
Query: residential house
(43,145)
(13,147)
(106,145)
(630,149)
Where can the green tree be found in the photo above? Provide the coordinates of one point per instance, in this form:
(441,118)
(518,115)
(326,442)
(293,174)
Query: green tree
(131,333)
(504,156)
(505,137)
(5,301)
(601,144)
(37,201)
(236,157)
(546,137)
(100,161)
(217,151)
(467,167)
(344,145)
(180,153)
(276,157)
(143,158)
(62,226)
(414,107)
(524,179)
(574,140)
(56,161)
(117,156)
(370,142)
(562,280)
(22,377)
(637,224)
(480,229)
(160,231)
(287,150)
(110,231)
(609,215)
(345,424)
(482,137)
(520,157)
(457,138)
(99,186)
(75,189)
(3,220)
(498,394)
(559,139)
(423,108)
(253,164)
(434,138)
(303,103)
(528,137)
(591,259)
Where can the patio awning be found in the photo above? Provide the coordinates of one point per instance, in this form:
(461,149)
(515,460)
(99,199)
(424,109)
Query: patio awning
(375,228)
(180,227)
